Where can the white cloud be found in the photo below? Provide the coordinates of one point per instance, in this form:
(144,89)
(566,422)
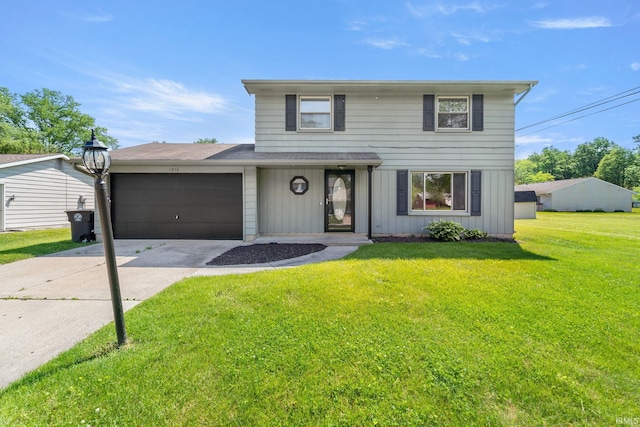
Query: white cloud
(447,9)
(533,139)
(469,38)
(356,25)
(166,97)
(576,67)
(540,5)
(386,44)
(635,66)
(572,24)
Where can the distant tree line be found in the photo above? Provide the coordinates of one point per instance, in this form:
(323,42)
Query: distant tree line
(45,121)
(601,158)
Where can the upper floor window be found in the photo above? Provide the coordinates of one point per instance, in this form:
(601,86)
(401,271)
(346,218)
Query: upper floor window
(453,112)
(315,112)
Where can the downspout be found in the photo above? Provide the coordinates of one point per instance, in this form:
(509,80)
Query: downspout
(523,94)
(369,184)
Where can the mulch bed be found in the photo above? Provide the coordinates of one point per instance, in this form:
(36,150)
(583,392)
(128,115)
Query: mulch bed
(265,253)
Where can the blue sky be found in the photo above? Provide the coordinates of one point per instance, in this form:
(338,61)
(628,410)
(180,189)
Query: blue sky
(171,70)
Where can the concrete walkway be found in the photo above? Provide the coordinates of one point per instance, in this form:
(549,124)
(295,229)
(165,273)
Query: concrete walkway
(48,304)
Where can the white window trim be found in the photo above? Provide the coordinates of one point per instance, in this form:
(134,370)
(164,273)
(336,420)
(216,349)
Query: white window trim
(437,114)
(312,97)
(435,212)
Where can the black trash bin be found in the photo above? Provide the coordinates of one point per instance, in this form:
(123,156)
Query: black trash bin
(81,225)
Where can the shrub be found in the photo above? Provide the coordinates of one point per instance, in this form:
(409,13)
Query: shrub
(475,234)
(447,231)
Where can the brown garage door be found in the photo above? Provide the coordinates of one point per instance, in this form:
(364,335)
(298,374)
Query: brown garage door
(176,206)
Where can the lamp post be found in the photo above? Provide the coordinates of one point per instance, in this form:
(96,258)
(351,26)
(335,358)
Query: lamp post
(96,160)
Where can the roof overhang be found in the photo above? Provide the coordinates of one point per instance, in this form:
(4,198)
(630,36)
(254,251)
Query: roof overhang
(235,155)
(11,160)
(387,86)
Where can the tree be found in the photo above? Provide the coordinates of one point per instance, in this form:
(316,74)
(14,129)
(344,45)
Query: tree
(557,163)
(206,141)
(587,156)
(45,121)
(60,125)
(612,166)
(15,138)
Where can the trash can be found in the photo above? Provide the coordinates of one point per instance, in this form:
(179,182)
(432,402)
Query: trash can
(81,225)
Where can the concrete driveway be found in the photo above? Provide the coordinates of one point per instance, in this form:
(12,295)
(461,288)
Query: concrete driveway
(48,304)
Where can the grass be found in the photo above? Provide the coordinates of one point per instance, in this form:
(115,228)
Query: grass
(539,332)
(15,246)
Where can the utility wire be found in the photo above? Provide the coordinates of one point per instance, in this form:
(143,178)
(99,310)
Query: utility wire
(598,103)
(576,118)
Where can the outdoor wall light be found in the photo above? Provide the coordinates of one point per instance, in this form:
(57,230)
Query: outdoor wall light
(97,161)
(299,185)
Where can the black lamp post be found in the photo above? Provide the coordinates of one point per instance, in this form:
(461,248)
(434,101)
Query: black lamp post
(97,160)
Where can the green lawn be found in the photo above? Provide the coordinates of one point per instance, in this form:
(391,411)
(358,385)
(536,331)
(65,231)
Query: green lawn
(15,246)
(545,331)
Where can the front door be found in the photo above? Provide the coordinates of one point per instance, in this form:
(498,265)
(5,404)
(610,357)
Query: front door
(339,197)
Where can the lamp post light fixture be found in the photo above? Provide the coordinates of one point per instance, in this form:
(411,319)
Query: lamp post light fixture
(97,161)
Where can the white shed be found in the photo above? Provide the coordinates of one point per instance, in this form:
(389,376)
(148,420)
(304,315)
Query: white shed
(37,189)
(580,194)
(525,205)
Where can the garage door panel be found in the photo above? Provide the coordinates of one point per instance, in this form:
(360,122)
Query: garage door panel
(207,206)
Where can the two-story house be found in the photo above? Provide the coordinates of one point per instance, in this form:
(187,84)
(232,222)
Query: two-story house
(367,157)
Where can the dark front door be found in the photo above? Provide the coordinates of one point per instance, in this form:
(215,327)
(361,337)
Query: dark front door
(176,206)
(339,197)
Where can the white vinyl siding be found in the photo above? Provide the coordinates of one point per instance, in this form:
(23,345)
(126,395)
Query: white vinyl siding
(391,125)
(497,207)
(591,194)
(43,191)
(283,212)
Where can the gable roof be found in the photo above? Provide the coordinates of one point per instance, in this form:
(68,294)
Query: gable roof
(551,186)
(10,160)
(389,86)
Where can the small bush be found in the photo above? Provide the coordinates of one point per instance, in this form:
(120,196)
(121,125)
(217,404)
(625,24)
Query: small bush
(475,234)
(550,210)
(446,231)
(450,231)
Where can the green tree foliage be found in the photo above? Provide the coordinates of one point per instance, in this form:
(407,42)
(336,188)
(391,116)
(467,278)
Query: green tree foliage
(45,121)
(588,155)
(612,166)
(555,162)
(526,172)
(206,141)
(601,158)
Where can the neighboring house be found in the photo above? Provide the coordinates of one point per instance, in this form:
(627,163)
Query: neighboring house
(367,157)
(525,205)
(37,189)
(580,194)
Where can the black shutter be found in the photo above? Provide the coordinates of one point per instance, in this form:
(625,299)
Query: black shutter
(339,112)
(291,103)
(477,109)
(402,185)
(476,187)
(428,113)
